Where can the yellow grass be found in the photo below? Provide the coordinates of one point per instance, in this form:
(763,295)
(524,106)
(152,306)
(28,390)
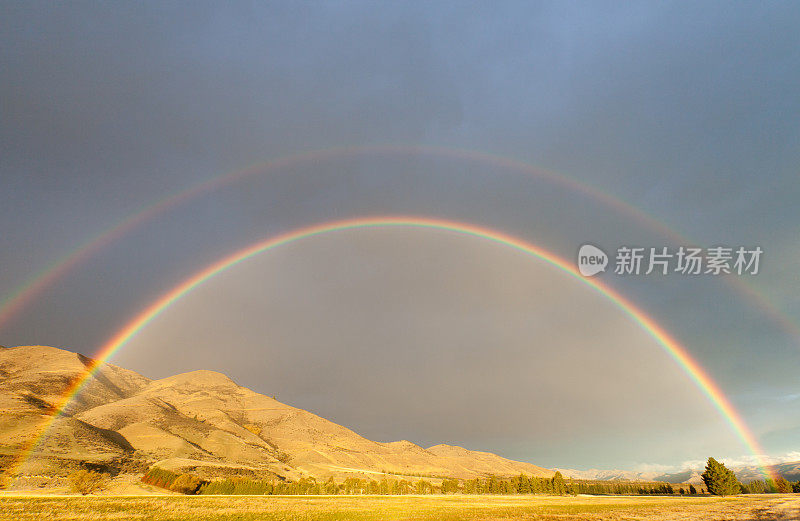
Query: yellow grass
(396,508)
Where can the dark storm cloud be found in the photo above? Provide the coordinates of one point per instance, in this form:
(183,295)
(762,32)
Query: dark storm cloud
(106,106)
(213,81)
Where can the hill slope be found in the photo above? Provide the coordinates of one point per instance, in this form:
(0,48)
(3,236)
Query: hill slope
(200,421)
(32,379)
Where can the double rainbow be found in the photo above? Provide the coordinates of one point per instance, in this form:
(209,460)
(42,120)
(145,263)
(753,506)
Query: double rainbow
(677,352)
(24,294)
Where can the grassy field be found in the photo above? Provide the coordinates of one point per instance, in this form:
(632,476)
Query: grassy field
(388,508)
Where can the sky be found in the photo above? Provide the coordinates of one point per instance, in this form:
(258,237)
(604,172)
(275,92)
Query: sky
(646,124)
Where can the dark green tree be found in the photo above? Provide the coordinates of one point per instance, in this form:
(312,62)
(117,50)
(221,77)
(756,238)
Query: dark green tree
(559,486)
(719,480)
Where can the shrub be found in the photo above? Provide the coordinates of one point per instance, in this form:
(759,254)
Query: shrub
(450,486)
(86,481)
(159,477)
(755,486)
(783,486)
(186,484)
(183,483)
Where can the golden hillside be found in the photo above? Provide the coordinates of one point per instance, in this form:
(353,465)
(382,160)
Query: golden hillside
(200,421)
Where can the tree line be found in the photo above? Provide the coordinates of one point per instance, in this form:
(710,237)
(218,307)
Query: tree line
(522,484)
(717,480)
(191,484)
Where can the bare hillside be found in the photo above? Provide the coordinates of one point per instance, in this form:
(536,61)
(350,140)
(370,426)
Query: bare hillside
(201,421)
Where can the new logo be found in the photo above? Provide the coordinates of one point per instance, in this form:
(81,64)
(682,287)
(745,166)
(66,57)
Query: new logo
(591,260)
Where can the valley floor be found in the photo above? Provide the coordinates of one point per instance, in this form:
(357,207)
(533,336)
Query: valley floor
(397,508)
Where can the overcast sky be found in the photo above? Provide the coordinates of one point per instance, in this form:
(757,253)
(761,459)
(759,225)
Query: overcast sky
(687,112)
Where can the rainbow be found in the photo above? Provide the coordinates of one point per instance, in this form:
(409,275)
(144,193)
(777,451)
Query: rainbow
(671,346)
(35,285)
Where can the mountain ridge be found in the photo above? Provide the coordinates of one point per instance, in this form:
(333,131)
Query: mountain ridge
(789,470)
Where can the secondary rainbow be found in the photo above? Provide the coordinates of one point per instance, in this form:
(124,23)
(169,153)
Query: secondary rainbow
(671,346)
(39,282)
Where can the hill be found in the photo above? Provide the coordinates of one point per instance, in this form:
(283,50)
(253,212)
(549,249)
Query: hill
(789,470)
(200,421)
